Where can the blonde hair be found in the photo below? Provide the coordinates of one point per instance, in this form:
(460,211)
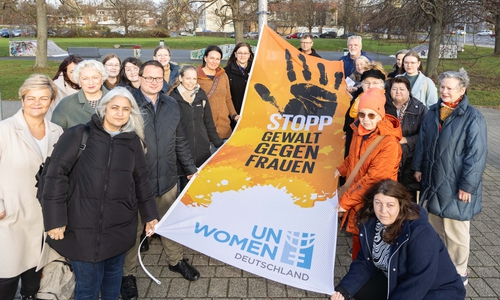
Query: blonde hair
(93,64)
(38,82)
(376,65)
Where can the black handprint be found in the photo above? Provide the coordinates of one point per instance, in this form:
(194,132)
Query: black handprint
(309,99)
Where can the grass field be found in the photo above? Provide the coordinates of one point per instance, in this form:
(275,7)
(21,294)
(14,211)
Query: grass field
(482,65)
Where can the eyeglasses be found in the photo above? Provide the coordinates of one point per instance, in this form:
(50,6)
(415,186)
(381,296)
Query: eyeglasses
(410,62)
(242,53)
(151,79)
(306,42)
(371,116)
(162,55)
(112,66)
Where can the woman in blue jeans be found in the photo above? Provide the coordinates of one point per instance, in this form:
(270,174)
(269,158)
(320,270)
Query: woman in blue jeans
(91,203)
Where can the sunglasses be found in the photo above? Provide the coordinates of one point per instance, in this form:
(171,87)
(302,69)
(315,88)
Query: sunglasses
(371,116)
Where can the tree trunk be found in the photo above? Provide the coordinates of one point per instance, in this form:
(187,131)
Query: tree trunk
(497,32)
(435,40)
(238,21)
(41,24)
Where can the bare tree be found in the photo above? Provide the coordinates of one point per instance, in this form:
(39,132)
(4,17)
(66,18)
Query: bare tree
(127,12)
(41,34)
(492,15)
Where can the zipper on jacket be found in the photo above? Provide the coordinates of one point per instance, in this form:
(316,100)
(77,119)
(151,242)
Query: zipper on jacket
(389,267)
(103,198)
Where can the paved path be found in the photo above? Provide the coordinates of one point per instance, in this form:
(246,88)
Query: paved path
(221,281)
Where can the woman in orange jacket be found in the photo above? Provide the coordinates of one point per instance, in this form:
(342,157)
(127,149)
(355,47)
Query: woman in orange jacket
(381,163)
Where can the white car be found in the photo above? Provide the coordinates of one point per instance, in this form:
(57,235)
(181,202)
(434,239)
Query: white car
(485,32)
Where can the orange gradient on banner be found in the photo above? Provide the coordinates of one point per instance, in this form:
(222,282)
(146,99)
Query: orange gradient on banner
(290,132)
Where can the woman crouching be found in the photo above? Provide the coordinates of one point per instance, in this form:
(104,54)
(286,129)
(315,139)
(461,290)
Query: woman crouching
(401,255)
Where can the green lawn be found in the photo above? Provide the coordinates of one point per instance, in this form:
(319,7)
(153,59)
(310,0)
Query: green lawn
(482,65)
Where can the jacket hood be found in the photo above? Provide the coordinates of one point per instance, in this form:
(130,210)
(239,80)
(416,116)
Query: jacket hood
(201,74)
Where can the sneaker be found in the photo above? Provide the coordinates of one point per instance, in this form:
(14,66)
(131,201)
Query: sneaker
(129,288)
(465,279)
(185,269)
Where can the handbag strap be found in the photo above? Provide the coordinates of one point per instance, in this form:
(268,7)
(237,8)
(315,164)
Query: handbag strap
(369,150)
(214,86)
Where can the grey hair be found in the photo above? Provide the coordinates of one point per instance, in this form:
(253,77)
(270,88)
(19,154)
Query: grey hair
(461,76)
(363,58)
(93,64)
(355,37)
(135,122)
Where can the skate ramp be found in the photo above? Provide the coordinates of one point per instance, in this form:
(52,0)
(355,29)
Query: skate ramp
(29,48)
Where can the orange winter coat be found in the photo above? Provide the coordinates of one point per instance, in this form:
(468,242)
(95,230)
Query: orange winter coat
(220,102)
(382,163)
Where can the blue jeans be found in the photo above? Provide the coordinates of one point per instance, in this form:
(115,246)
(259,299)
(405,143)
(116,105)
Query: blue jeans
(105,276)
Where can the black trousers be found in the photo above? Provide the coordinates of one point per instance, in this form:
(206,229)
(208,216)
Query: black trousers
(374,289)
(30,283)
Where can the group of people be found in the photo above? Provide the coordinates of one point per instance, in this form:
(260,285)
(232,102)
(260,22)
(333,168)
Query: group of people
(124,138)
(129,135)
(404,146)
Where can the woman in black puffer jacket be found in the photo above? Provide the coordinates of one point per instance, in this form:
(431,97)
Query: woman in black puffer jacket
(197,118)
(97,223)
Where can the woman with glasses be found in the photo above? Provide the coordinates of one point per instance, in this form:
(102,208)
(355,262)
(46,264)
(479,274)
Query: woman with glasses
(422,87)
(129,74)
(79,108)
(214,81)
(381,163)
(237,69)
(112,64)
(170,70)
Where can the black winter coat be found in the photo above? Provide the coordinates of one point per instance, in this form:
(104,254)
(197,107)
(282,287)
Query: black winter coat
(200,127)
(419,266)
(166,142)
(412,120)
(237,82)
(111,185)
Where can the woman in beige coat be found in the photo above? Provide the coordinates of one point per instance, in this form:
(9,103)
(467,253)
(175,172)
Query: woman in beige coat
(26,139)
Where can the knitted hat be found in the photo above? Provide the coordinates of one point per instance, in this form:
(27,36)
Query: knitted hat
(373,99)
(372,73)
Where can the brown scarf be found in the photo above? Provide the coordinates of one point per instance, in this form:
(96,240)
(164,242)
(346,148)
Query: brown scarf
(447,109)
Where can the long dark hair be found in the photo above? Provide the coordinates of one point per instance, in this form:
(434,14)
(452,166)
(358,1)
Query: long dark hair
(238,46)
(181,73)
(209,49)
(407,210)
(123,77)
(63,68)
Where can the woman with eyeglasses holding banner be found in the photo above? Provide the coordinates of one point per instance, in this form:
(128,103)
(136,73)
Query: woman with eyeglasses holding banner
(238,69)
(170,70)
(381,161)
(422,87)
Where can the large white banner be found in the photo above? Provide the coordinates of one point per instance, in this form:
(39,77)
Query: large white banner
(265,202)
